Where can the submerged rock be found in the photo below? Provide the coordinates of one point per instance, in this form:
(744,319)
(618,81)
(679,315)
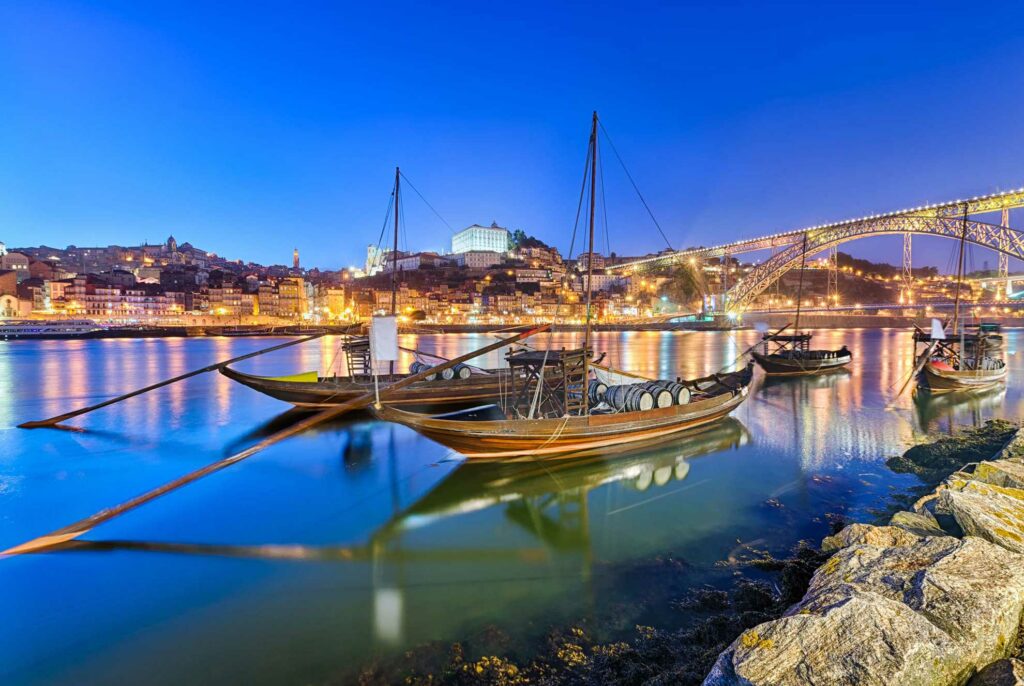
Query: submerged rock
(1008,672)
(934,461)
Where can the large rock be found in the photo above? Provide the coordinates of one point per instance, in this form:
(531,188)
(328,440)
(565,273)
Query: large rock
(995,513)
(1007,473)
(845,637)
(1008,672)
(869,535)
(919,523)
(930,612)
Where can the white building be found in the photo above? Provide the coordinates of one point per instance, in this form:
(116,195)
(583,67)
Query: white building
(3,249)
(477,259)
(491,238)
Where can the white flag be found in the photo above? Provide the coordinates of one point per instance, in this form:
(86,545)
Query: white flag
(384,339)
(938,334)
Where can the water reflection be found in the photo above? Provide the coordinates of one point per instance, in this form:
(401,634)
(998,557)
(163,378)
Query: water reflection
(363,537)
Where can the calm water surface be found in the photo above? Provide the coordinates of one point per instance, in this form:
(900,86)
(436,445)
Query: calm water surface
(365,539)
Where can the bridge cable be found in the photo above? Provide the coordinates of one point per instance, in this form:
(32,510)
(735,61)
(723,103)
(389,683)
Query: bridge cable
(635,187)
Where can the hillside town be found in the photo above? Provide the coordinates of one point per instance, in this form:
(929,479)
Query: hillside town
(490,276)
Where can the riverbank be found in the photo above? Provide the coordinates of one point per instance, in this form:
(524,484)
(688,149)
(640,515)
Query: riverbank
(933,597)
(771,321)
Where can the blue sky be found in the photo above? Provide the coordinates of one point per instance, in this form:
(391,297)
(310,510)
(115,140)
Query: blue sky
(250,128)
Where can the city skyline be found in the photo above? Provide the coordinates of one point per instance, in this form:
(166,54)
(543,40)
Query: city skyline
(136,124)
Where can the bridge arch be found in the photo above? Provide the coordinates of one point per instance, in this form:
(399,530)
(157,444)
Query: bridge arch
(1002,239)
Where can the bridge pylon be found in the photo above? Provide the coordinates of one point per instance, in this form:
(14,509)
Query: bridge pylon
(1004,244)
(907,292)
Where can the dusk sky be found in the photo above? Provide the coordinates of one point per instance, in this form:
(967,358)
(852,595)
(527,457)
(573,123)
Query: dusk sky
(252,128)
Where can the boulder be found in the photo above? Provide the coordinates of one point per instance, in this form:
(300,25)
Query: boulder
(844,637)
(869,535)
(994,513)
(1007,473)
(1008,672)
(930,612)
(918,523)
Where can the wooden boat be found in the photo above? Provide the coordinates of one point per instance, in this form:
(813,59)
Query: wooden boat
(475,434)
(965,360)
(555,409)
(792,356)
(309,390)
(247,331)
(972,362)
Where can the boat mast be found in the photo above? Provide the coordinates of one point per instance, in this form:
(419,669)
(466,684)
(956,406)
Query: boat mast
(800,286)
(394,250)
(959,276)
(590,265)
(394,261)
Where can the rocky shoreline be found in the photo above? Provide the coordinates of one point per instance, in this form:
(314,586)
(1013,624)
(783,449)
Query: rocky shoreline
(933,597)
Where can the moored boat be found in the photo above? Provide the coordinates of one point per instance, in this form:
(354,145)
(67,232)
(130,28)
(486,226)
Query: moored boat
(477,434)
(309,390)
(13,330)
(792,356)
(558,405)
(964,360)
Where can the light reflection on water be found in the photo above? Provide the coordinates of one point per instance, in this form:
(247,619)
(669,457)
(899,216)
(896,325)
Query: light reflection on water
(382,539)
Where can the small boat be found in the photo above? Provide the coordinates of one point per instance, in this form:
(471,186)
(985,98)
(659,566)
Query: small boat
(972,362)
(303,331)
(247,331)
(13,330)
(792,356)
(554,408)
(964,360)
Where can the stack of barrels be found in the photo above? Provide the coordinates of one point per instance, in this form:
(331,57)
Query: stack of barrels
(459,371)
(639,396)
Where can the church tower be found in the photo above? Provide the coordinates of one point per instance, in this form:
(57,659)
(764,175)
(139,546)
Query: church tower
(295,258)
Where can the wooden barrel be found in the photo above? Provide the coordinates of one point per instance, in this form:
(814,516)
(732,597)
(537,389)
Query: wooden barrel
(662,396)
(462,371)
(448,374)
(680,393)
(595,392)
(417,367)
(629,398)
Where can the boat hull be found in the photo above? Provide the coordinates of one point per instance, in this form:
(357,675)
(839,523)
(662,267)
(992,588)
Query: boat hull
(571,436)
(327,392)
(938,380)
(784,365)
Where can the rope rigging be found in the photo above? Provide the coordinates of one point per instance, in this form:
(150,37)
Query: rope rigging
(635,187)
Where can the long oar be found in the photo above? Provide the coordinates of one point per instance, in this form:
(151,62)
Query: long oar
(208,368)
(73,531)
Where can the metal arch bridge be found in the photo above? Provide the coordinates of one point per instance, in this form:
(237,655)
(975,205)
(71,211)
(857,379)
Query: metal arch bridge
(941,219)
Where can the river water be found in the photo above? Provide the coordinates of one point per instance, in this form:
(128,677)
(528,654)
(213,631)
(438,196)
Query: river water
(363,539)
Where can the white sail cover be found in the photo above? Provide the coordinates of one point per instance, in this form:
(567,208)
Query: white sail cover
(938,333)
(384,339)
(616,377)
